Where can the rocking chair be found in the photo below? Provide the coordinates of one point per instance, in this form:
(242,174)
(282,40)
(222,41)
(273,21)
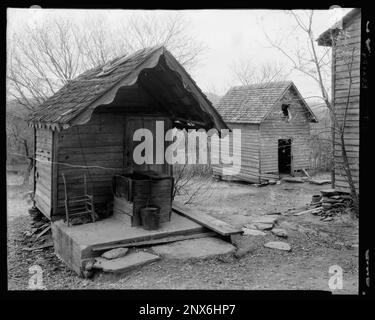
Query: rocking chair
(79,205)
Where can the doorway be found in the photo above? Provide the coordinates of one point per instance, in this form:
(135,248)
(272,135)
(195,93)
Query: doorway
(285,156)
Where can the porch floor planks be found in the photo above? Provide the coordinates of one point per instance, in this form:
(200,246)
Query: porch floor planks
(206,220)
(112,231)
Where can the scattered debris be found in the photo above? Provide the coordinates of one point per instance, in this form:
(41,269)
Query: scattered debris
(43,232)
(115,253)
(278,245)
(46,245)
(306,173)
(280,232)
(253,232)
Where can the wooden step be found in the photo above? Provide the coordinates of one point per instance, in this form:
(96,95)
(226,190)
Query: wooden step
(208,221)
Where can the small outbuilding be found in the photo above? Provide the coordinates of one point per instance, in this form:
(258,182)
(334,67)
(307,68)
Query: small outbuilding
(275,130)
(87,127)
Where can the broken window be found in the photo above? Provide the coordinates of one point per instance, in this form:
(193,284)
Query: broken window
(285,110)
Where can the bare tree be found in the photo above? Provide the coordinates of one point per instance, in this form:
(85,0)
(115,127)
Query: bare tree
(247,72)
(309,62)
(45,57)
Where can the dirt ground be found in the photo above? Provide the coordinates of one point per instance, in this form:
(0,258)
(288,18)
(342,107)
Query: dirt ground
(316,245)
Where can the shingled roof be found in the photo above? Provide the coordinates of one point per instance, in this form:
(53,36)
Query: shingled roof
(74,103)
(252,103)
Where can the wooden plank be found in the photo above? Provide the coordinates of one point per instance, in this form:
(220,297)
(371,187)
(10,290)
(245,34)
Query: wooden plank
(157,241)
(205,220)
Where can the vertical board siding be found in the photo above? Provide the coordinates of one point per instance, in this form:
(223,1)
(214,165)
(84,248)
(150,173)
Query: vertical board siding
(275,127)
(43,170)
(249,153)
(346,53)
(102,145)
(97,144)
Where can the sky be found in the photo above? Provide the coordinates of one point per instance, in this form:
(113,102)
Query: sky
(228,37)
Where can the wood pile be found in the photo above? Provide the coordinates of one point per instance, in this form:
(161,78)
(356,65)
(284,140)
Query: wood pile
(331,203)
(40,235)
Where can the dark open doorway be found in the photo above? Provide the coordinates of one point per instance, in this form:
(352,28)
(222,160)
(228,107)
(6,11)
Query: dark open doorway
(285,156)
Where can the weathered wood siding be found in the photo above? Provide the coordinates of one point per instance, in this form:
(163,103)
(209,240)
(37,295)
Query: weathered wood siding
(347,49)
(249,153)
(98,144)
(103,145)
(275,127)
(43,171)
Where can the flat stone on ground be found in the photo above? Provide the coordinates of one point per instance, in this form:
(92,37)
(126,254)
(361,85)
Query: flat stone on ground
(266,219)
(278,245)
(253,232)
(126,263)
(195,248)
(115,253)
(259,226)
(293,180)
(319,181)
(279,232)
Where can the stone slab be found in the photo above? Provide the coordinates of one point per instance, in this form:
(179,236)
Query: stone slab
(253,232)
(126,263)
(195,248)
(278,245)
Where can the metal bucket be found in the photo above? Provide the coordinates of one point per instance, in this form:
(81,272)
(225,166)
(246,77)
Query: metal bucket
(150,217)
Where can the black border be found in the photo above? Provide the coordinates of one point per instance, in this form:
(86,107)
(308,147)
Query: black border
(139,298)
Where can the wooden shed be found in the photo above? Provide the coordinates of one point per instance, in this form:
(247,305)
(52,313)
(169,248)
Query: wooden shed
(345,40)
(275,129)
(88,125)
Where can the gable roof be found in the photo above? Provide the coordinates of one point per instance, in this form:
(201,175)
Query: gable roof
(74,103)
(252,103)
(325,39)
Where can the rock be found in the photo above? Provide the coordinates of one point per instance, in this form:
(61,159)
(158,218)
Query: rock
(259,226)
(279,232)
(319,182)
(266,219)
(252,232)
(278,245)
(288,225)
(272,182)
(115,253)
(293,180)
(195,248)
(126,263)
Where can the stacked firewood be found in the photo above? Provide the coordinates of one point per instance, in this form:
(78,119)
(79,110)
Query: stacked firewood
(331,202)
